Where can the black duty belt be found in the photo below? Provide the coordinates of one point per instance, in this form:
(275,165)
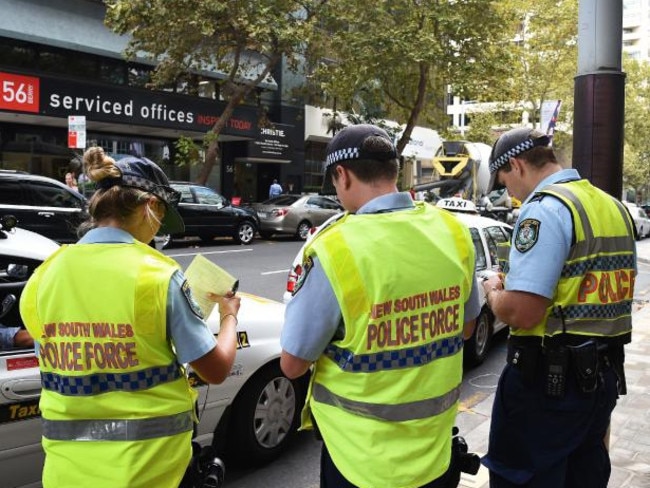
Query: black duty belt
(564,357)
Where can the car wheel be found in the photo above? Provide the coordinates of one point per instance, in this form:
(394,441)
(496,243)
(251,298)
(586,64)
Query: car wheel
(477,346)
(303,230)
(245,233)
(266,415)
(265,234)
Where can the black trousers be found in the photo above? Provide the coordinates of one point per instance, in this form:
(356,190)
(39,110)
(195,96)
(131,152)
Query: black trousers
(540,442)
(331,477)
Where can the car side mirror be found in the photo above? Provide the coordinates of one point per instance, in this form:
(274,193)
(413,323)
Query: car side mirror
(8,222)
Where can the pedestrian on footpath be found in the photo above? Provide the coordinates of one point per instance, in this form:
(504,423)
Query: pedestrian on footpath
(275,190)
(114,321)
(567,297)
(383,331)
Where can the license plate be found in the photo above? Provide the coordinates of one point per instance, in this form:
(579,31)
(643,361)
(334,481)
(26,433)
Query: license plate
(262,215)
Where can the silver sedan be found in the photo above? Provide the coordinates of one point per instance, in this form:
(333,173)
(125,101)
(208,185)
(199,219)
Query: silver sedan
(294,214)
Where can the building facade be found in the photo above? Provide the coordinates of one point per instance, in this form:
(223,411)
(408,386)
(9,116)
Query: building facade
(636,29)
(57,59)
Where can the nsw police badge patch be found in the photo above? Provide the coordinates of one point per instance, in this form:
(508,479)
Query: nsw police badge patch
(527,234)
(187,292)
(306,266)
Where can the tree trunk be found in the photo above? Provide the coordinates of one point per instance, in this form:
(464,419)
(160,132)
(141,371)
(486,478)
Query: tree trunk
(212,153)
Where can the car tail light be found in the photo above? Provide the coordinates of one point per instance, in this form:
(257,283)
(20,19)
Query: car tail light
(279,212)
(294,274)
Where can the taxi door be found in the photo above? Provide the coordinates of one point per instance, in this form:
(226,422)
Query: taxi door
(21,454)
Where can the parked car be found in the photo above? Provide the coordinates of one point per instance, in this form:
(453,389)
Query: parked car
(207,215)
(43,205)
(251,417)
(487,234)
(641,220)
(294,214)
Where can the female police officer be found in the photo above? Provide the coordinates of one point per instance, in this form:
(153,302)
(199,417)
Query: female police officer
(568,299)
(115,320)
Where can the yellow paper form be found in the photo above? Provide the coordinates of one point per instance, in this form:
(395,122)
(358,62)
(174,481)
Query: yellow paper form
(204,277)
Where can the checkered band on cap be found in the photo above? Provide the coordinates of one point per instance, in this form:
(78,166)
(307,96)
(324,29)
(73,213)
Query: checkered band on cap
(511,153)
(359,142)
(127,180)
(138,182)
(342,155)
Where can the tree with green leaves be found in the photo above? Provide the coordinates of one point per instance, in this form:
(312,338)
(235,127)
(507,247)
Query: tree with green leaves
(394,59)
(541,57)
(234,37)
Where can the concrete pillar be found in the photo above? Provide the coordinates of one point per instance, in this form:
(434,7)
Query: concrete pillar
(599,95)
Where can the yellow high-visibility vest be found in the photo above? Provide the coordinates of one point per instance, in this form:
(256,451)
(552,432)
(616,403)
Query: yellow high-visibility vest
(596,287)
(117,408)
(385,396)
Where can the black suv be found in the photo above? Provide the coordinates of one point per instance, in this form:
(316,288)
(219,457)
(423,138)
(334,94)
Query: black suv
(207,214)
(42,205)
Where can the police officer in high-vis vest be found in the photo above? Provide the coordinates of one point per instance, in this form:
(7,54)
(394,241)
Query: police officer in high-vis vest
(114,322)
(387,294)
(567,297)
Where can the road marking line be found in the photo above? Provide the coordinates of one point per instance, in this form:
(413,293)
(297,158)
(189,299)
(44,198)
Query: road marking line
(274,272)
(206,253)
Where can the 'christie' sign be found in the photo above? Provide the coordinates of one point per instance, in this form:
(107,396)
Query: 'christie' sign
(272,144)
(104,103)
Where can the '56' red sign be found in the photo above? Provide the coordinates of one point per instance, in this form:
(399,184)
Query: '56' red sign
(19,93)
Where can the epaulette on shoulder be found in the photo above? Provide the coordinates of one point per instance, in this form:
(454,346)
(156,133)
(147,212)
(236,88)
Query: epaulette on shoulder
(537,197)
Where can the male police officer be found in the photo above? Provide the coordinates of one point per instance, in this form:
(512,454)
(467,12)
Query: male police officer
(386,295)
(568,300)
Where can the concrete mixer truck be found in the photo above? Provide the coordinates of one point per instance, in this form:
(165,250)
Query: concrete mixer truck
(461,169)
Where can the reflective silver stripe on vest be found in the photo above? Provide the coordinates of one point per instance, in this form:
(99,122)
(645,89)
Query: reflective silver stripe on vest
(611,328)
(569,195)
(117,430)
(392,413)
(603,244)
(94,384)
(397,359)
(605,320)
(599,263)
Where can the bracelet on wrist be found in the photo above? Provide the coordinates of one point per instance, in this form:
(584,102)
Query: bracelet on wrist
(229,315)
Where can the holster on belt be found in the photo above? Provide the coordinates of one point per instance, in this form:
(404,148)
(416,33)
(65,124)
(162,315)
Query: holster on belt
(586,364)
(525,355)
(590,356)
(616,356)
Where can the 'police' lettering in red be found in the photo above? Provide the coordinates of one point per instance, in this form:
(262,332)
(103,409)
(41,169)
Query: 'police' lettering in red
(406,330)
(613,286)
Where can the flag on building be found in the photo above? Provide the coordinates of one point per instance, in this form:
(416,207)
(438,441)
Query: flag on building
(551,125)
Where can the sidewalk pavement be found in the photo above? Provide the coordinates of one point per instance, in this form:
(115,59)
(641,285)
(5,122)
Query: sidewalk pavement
(630,430)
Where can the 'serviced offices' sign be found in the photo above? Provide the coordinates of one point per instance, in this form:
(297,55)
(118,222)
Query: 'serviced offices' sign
(106,103)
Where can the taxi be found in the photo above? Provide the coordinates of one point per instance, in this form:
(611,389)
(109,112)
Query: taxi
(487,234)
(251,417)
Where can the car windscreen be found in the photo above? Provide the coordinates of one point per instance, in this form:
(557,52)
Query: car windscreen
(47,195)
(282,200)
(481,260)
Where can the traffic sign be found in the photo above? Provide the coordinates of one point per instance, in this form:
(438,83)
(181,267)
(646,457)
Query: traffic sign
(77,131)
